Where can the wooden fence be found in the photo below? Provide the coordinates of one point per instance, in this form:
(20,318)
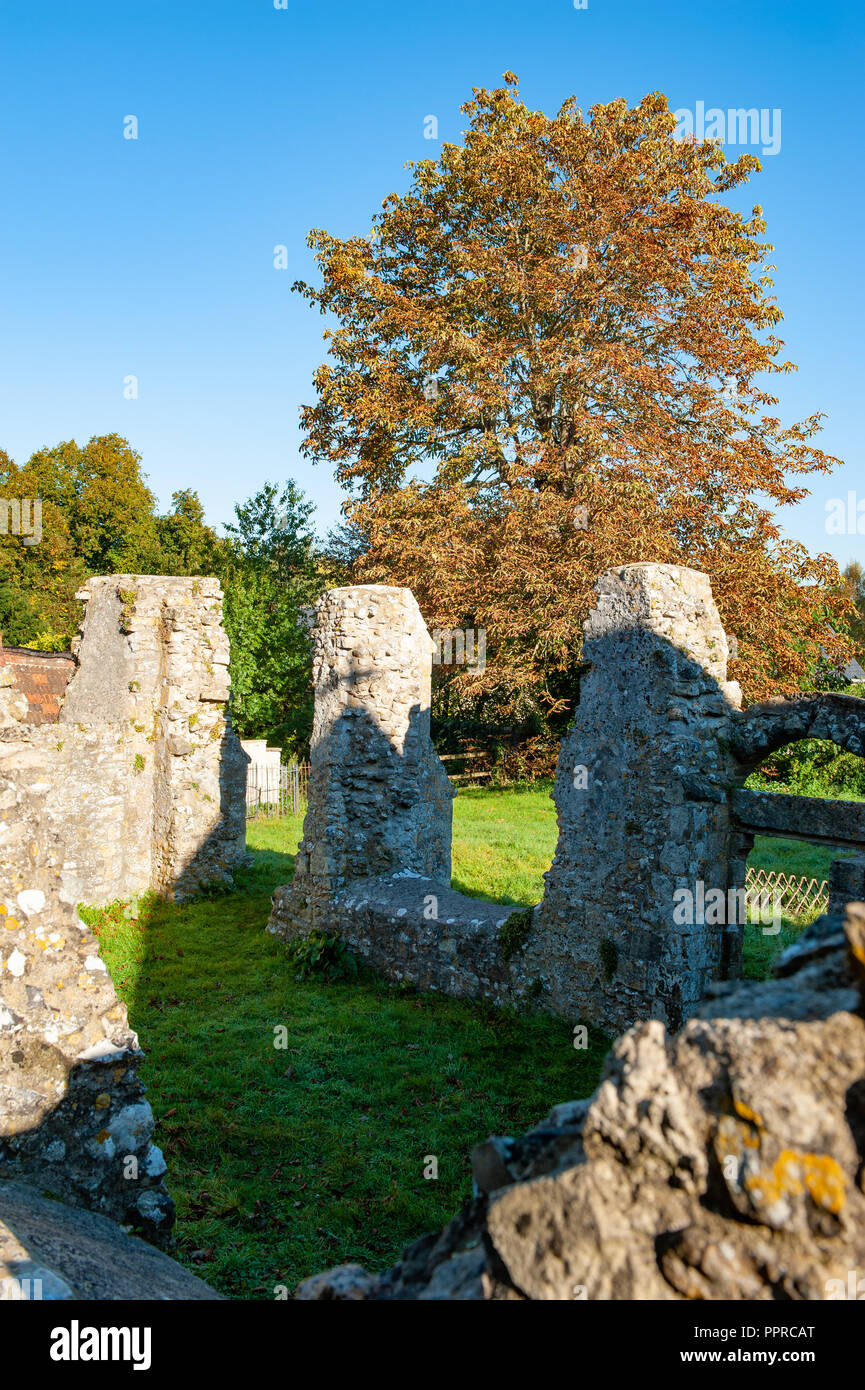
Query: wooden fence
(799,897)
(272,792)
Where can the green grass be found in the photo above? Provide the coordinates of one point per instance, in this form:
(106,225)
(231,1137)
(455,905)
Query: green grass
(503,842)
(285,1161)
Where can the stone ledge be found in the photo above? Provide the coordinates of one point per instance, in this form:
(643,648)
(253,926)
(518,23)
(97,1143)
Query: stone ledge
(80,1255)
(387,922)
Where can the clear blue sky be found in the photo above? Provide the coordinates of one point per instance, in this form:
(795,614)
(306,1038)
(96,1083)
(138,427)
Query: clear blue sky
(154,257)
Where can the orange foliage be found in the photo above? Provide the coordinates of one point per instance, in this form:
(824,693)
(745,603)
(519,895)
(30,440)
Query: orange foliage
(551,357)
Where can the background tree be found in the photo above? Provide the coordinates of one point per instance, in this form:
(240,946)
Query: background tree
(185,543)
(100,517)
(38,582)
(108,509)
(549,357)
(270,573)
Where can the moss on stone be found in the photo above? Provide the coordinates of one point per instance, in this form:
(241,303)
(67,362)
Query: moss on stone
(513,932)
(609,957)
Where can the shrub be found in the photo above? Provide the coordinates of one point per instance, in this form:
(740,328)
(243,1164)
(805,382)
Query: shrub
(321,956)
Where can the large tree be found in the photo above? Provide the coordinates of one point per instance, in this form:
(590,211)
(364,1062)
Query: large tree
(98,517)
(552,355)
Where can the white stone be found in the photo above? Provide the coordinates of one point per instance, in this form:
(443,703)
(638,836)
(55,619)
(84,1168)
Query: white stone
(16,963)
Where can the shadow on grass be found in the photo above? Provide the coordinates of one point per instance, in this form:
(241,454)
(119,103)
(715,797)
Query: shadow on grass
(297,1119)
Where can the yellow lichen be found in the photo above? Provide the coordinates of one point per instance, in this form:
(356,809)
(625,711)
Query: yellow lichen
(794,1173)
(746,1113)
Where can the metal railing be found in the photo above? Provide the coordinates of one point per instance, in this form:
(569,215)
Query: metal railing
(272,792)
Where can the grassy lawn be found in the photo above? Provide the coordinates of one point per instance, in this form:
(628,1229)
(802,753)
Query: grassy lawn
(283,1161)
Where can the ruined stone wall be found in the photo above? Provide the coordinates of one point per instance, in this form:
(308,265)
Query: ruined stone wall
(72,1110)
(139,785)
(642,795)
(644,907)
(142,776)
(379,798)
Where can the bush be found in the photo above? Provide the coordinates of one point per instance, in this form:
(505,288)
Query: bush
(319,956)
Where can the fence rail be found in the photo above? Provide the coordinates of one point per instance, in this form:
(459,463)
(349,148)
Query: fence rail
(272,792)
(800,897)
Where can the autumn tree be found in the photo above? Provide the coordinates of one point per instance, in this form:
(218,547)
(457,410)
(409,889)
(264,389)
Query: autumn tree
(552,355)
(98,517)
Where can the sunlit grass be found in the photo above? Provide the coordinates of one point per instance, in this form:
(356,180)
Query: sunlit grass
(283,1161)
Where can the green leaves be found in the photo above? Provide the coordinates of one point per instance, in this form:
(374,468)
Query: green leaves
(321,956)
(270,572)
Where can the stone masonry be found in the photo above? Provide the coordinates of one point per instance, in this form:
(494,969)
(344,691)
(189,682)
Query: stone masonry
(653,824)
(379,798)
(642,793)
(139,785)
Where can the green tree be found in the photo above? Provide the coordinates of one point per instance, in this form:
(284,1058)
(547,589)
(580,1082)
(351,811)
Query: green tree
(37,582)
(270,573)
(108,507)
(186,544)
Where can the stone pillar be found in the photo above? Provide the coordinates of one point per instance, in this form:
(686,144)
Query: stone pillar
(153,678)
(846,882)
(379,798)
(642,792)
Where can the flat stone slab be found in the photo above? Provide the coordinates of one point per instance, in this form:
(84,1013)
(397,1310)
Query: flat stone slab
(419,931)
(76,1254)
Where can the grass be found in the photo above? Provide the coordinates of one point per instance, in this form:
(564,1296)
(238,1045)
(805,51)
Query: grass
(503,842)
(285,1160)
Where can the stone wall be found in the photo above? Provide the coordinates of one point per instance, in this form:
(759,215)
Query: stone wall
(139,785)
(142,776)
(642,794)
(644,904)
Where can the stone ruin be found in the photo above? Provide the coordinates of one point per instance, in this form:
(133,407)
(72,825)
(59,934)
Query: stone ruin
(726,1160)
(723,1162)
(651,810)
(137,786)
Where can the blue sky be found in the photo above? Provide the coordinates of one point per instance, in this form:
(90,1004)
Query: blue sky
(154,257)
